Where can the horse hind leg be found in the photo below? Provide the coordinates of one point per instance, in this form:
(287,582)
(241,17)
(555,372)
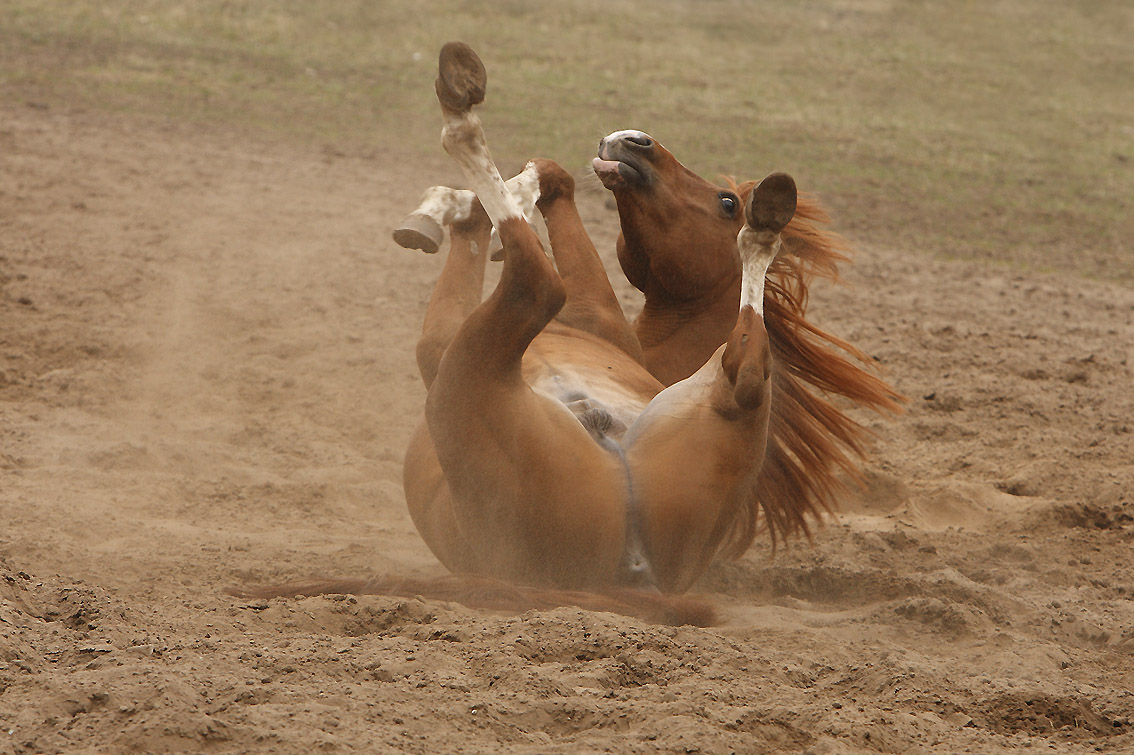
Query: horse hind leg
(525,188)
(440,206)
(530,292)
(533,493)
(461,82)
(424,228)
(460,286)
(700,444)
(770,207)
(457,293)
(591,305)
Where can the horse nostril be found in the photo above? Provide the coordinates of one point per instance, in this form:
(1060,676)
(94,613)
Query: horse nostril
(639,139)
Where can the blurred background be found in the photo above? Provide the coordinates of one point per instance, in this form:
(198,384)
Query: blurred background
(999,131)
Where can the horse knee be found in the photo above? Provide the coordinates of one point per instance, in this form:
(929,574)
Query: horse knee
(752,386)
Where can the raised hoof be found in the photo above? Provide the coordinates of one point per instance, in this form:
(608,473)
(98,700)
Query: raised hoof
(771,205)
(461,78)
(420,232)
(497,254)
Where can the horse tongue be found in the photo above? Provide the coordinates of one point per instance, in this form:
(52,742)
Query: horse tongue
(607,171)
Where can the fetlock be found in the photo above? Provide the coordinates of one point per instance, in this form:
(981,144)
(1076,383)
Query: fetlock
(476,225)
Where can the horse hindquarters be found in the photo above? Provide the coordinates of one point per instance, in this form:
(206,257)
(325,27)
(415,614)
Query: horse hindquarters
(694,454)
(430,503)
(699,446)
(531,495)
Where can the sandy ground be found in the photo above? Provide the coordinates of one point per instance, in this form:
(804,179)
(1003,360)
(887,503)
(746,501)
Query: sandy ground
(207,379)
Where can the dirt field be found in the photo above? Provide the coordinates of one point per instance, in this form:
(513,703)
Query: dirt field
(207,379)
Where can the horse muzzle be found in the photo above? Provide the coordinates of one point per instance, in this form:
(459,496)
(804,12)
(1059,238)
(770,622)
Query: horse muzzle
(623,159)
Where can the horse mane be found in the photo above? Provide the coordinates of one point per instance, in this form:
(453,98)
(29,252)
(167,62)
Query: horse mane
(813,445)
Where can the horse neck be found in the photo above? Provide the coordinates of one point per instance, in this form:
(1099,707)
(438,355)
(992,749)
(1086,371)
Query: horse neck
(679,336)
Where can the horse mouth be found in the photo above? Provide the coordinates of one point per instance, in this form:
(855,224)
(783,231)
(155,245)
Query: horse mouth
(612,173)
(617,174)
(618,171)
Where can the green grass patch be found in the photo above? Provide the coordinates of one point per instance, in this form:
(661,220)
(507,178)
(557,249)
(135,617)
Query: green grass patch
(999,131)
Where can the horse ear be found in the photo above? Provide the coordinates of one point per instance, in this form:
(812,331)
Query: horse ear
(771,205)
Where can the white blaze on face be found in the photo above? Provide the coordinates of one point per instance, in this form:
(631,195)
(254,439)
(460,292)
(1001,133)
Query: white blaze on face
(627,134)
(757,250)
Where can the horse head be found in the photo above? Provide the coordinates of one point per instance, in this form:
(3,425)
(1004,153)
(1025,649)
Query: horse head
(678,237)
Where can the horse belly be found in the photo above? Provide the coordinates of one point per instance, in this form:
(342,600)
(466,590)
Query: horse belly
(585,375)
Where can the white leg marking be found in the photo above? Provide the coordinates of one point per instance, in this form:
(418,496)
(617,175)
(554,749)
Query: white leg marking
(757,250)
(525,188)
(463,138)
(445,205)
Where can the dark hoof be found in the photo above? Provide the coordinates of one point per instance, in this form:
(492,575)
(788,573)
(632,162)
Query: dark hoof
(461,78)
(497,254)
(420,232)
(771,205)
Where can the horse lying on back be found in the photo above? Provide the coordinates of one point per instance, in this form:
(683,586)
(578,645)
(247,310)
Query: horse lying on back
(678,246)
(550,455)
(564,449)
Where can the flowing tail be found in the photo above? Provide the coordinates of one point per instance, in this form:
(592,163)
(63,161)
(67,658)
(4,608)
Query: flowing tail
(495,595)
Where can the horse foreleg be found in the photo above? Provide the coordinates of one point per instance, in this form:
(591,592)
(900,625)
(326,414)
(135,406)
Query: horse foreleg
(592,305)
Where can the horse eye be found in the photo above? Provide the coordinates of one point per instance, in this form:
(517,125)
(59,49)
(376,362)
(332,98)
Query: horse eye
(728,204)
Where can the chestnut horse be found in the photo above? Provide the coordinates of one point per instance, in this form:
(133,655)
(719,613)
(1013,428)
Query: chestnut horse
(678,246)
(563,449)
(549,454)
